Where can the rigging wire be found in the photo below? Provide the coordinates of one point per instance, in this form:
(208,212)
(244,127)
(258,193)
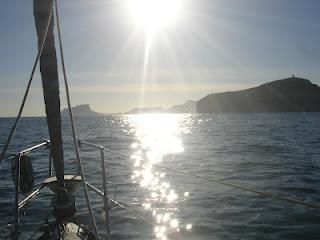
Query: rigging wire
(14,127)
(121,205)
(74,137)
(117,203)
(228,184)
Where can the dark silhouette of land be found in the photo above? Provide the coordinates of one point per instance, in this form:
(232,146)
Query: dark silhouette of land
(187,107)
(81,111)
(146,110)
(286,95)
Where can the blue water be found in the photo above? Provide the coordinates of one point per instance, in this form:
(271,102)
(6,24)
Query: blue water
(277,153)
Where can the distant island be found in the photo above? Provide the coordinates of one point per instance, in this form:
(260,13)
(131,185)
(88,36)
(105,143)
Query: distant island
(81,111)
(187,107)
(146,110)
(286,95)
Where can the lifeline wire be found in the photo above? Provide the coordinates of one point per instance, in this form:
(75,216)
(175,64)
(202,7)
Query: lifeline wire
(14,127)
(146,220)
(90,186)
(75,142)
(229,184)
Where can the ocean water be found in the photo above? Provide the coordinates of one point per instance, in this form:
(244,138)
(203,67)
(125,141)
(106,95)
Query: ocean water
(278,153)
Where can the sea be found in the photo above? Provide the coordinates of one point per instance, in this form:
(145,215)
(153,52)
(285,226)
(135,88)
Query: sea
(160,167)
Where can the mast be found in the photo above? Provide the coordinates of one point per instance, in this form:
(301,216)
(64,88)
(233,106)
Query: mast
(50,83)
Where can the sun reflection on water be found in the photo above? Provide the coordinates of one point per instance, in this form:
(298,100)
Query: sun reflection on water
(158,135)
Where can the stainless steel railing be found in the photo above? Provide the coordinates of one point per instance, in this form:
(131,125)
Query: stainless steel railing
(18,205)
(21,204)
(104,180)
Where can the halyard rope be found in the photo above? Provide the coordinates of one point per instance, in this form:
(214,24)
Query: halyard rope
(74,136)
(14,127)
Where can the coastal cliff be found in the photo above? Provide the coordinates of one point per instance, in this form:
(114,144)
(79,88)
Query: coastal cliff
(286,95)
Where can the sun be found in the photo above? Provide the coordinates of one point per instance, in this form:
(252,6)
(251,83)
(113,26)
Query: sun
(154,15)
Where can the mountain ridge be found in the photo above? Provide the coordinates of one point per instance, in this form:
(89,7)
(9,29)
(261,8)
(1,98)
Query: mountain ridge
(284,95)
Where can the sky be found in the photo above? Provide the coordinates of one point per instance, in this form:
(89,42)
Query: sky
(213,46)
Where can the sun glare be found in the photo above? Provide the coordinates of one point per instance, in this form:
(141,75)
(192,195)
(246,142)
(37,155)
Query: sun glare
(154,15)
